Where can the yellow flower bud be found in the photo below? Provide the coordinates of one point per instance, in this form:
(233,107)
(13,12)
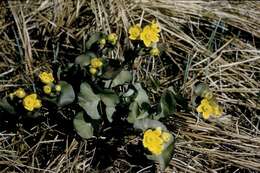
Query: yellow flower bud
(20,93)
(112,38)
(155,51)
(58,88)
(93,71)
(47,89)
(102,42)
(11,95)
(166,136)
(96,63)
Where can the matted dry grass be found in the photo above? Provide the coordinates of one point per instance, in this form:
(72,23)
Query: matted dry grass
(216,42)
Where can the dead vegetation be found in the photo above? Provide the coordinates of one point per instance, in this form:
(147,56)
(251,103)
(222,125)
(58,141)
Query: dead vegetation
(216,42)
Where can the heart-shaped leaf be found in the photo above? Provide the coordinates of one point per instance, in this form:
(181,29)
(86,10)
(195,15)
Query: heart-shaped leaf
(67,94)
(84,129)
(165,157)
(84,59)
(112,68)
(110,100)
(136,113)
(93,39)
(142,96)
(89,101)
(6,106)
(200,88)
(167,103)
(123,77)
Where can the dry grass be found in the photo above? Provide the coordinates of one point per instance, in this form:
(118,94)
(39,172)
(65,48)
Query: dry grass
(216,42)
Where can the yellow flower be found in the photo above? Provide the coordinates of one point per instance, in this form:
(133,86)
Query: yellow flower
(166,136)
(46,78)
(20,93)
(149,36)
(11,95)
(112,38)
(153,141)
(154,51)
(102,42)
(218,111)
(96,63)
(209,108)
(155,26)
(47,89)
(31,102)
(93,71)
(58,88)
(134,32)
(156,149)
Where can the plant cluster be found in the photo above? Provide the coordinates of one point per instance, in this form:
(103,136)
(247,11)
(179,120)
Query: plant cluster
(102,86)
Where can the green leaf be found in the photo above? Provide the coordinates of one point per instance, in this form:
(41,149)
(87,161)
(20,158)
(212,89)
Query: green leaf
(130,92)
(84,59)
(6,106)
(111,69)
(84,129)
(145,124)
(200,88)
(167,103)
(135,113)
(110,100)
(166,156)
(89,101)
(93,39)
(123,77)
(67,94)
(142,96)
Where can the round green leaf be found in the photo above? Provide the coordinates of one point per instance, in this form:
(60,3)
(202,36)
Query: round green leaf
(165,157)
(142,96)
(67,94)
(93,39)
(167,103)
(135,113)
(5,105)
(110,100)
(89,101)
(84,59)
(123,77)
(84,129)
(200,88)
